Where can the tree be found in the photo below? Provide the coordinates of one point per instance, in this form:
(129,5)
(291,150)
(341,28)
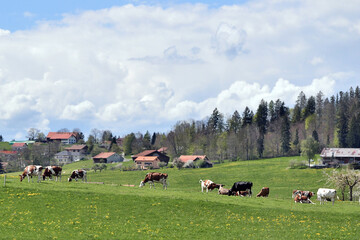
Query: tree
(106,136)
(153,139)
(96,133)
(63,130)
(285,132)
(1,138)
(261,121)
(216,122)
(309,147)
(128,142)
(346,178)
(147,140)
(234,123)
(33,134)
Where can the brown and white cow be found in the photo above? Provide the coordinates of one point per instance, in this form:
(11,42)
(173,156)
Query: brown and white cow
(264,192)
(155,177)
(52,171)
(207,185)
(31,171)
(80,173)
(302,196)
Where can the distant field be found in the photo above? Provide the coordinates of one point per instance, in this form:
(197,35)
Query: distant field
(65,210)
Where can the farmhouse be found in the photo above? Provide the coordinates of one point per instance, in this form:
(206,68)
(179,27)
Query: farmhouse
(151,153)
(64,137)
(66,157)
(18,146)
(144,162)
(7,156)
(340,155)
(82,148)
(194,158)
(108,157)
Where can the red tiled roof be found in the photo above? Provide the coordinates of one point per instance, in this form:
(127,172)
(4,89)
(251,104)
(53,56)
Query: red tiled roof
(8,152)
(104,155)
(19,144)
(144,153)
(76,147)
(147,159)
(56,135)
(186,158)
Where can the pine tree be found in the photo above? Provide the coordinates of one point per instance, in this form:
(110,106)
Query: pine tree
(261,121)
(285,132)
(235,122)
(216,122)
(153,139)
(247,117)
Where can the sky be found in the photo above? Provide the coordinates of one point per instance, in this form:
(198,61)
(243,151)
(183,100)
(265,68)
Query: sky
(133,66)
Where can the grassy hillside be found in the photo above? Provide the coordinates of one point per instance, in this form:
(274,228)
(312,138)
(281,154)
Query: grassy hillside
(111,211)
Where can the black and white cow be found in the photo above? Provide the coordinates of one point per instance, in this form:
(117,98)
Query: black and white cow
(240,186)
(80,173)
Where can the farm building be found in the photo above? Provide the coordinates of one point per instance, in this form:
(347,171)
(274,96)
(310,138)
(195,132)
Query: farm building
(66,157)
(18,146)
(151,153)
(82,148)
(63,137)
(144,162)
(334,156)
(194,158)
(108,157)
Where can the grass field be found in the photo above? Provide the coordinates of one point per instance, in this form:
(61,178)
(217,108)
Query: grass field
(63,210)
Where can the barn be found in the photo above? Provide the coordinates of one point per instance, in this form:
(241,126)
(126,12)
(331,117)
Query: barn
(336,156)
(107,157)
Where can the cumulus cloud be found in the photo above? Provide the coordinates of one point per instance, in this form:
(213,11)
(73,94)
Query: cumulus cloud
(144,67)
(229,40)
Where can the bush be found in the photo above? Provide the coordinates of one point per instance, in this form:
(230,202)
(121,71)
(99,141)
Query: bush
(294,164)
(189,164)
(162,164)
(178,163)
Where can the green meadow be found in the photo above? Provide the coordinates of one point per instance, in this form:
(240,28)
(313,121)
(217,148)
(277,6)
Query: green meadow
(75,210)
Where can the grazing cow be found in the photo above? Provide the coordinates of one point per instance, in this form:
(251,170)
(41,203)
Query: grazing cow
(241,186)
(302,196)
(52,171)
(31,171)
(155,177)
(264,192)
(80,173)
(205,185)
(214,185)
(223,191)
(325,194)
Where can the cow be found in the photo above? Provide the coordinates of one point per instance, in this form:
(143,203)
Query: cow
(31,171)
(302,196)
(155,177)
(325,194)
(205,185)
(214,185)
(80,173)
(241,186)
(264,192)
(223,191)
(52,171)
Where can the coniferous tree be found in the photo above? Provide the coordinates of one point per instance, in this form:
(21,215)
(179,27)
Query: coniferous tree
(261,121)
(235,122)
(285,132)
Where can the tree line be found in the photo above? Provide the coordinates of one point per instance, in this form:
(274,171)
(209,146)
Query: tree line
(272,130)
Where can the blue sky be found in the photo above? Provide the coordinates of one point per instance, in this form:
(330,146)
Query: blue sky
(132,66)
(21,15)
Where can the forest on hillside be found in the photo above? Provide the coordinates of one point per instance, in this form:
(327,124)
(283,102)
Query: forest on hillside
(271,130)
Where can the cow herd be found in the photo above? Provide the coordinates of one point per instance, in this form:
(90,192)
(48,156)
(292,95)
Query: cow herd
(238,188)
(244,189)
(49,172)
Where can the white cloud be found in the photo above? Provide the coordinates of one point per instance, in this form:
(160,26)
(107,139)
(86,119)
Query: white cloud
(80,111)
(316,61)
(28,14)
(4,32)
(148,66)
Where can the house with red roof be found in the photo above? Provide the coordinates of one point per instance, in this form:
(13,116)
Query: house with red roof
(81,148)
(108,157)
(152,153)
(144,162)
(63,137)
(18,146)
(336,156)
